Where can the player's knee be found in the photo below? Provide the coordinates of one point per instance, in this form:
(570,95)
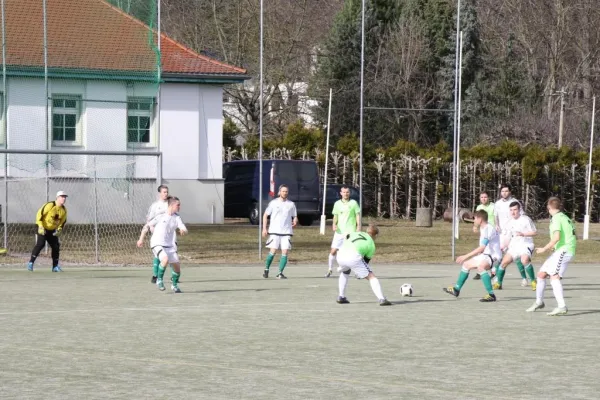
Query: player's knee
(541,275)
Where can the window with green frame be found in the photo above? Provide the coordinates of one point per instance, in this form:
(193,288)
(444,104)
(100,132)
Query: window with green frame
(139,119)
(65,118)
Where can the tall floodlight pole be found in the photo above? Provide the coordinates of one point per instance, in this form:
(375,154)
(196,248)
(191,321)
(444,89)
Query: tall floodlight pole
(362,88)
(260,138)
(586,220)
(455,141)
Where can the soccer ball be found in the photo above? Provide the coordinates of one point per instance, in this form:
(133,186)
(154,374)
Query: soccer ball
(406,290)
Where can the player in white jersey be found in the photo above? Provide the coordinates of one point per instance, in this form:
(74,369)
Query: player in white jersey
(346,220)
(157,208)
(283,219)
(163,244)
(482,258)
(520,247)
(503,217)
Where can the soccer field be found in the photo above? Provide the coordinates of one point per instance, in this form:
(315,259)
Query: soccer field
(110,334)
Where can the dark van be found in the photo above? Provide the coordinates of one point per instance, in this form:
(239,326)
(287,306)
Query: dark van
(242,187)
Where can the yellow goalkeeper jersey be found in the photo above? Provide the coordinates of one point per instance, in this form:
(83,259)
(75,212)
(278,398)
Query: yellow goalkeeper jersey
(51,217)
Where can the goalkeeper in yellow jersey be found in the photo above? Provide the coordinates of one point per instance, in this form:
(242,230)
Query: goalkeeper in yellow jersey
(50,220)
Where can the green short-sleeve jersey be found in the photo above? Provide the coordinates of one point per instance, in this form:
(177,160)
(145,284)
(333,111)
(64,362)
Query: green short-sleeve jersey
(346,212)
(362,242)
(489,209)
(568,240)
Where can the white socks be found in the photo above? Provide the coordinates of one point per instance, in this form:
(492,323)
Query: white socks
(342,282)
(331,260)
(557,288)
(376,288)
(539,291)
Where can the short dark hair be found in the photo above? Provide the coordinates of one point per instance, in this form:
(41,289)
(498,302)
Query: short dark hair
(506,185)
(482,214)
(345,187)
(514,204)
(161,187)
(555,203)
(172,200)
(283,186)
(484,192)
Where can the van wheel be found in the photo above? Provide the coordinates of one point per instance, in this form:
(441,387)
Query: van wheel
(253,214)
(305,220)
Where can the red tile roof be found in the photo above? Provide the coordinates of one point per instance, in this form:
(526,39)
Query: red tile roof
(94,35)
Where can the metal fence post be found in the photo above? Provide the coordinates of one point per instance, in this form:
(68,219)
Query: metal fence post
(96,236)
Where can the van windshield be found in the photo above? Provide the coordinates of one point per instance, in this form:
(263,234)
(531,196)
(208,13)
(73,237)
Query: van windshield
(299,171)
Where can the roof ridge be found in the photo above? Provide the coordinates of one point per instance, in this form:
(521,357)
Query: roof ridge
(176,43)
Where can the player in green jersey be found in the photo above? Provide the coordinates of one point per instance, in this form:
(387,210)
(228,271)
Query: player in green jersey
(346,220)
(564,242)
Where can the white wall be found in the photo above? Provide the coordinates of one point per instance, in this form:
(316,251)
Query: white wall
(211,132)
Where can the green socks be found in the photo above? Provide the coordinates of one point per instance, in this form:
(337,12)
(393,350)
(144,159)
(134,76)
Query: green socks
(282,263)
(500,275)
(175,277)
(462,278)
(486,279)
(521,269)
(155,264)
(530,272)
(161,272)
(270,258)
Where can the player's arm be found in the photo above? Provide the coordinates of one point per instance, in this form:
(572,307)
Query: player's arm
(482,245)
(335,213)
(145,229)
(266,220)
(39,216)
(358,217)
(555,239)
(294,216)
(181,226)
(496,219)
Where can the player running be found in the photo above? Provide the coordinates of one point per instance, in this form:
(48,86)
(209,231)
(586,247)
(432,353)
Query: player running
(283,219)
(162,242)
(482,258)
(346,220)
(520,247)
(488,207)
(157,208)
(355,255)
(564,242)
(503,217)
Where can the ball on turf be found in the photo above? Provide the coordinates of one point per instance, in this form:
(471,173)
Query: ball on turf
(406,290)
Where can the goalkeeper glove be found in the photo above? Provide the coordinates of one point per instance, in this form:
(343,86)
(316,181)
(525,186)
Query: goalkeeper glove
(57,232)
(41,230)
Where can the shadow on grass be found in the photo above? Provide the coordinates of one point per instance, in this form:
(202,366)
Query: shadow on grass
(398,302)
(531,298)
(232,290)
(580,312)
(412,277)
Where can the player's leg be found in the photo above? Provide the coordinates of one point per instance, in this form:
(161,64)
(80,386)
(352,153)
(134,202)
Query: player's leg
(548,269)
(286,246)
(54,244)
(463,275)
(40,242)
(506,260)
(376,287)
(345,261)
(161,254)
(336,244)
(155,264)
(521,269)
(175,271)
(272,245)
(526,261)
(556,282)
(484,265)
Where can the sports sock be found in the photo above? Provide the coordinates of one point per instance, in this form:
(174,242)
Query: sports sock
(282,262)
(530,272)
(270,258)
(342,282)
(557,288)
(376,287)
(462,278)
(331,260)
(161,272)
(521,269)
(500,274)
(539,291)
(486,279)
(155,264)
(175,277)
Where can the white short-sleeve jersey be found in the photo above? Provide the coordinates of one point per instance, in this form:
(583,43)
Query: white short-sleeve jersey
(165,227)
(281,213)
(157,208)
(502,211)
(522,224)
(489,237)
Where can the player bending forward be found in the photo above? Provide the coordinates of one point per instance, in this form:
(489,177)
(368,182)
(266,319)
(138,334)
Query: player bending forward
(163,245)
(564,241)
(356,253)
(346,220)
(520,247)
(157,208)
(481,259)
(283,219)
